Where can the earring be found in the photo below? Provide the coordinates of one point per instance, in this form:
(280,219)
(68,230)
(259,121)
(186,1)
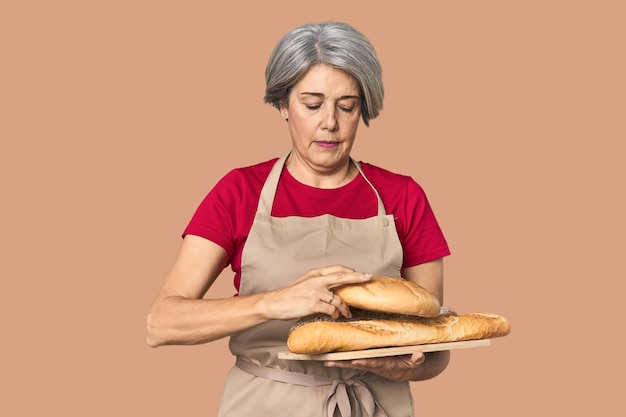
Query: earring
(285,115)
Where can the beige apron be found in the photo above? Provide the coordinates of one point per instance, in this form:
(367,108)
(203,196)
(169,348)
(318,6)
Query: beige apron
(278,251)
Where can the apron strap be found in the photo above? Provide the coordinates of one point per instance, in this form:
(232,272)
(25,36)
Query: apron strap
(341,390)
(268,192)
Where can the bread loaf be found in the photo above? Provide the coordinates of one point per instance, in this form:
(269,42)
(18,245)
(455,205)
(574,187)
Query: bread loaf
(390,295)
(321,334)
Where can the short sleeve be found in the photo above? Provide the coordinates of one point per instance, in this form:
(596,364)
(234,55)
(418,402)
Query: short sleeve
(215,217)
(423,238)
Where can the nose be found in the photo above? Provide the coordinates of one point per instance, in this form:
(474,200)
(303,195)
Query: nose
(329,119)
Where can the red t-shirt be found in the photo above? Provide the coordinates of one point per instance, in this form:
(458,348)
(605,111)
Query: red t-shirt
(225,215)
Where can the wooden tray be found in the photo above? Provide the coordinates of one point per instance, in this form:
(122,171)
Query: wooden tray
(380,352)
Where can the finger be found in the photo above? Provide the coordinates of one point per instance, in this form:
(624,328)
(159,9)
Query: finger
(333,269)
(344,310)
(417,358)
(341,306)
(323,272)
(337,364)
(328,309)
(342,278)
(325,295)
(358,364)
(388,363)
(335,307)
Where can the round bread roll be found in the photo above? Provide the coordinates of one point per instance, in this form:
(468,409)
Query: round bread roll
(390,295)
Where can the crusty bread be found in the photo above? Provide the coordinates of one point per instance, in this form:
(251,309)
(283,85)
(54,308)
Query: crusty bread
(390,295)
(320,334)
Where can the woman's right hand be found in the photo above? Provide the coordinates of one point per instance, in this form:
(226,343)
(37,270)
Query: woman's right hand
(180,315)
(312,293)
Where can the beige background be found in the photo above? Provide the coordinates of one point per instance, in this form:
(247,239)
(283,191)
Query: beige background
(117,117)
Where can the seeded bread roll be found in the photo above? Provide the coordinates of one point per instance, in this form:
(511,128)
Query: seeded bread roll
(320,334)
(390,295)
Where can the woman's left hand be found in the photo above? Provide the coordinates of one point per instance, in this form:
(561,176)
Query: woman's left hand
(394,368)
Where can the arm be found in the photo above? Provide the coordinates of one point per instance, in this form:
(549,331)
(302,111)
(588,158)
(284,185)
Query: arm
(179,314)
(418,366)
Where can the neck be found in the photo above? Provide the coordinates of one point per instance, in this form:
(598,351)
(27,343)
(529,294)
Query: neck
(326,179)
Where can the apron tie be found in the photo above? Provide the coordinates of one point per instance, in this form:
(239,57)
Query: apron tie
(343,392)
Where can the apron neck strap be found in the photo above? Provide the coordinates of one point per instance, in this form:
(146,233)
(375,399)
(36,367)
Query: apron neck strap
(268,192)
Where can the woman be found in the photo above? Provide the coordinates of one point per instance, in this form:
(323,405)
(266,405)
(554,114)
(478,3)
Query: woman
(296,227)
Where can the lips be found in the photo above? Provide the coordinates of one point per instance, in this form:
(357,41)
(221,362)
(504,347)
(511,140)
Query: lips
(326,144)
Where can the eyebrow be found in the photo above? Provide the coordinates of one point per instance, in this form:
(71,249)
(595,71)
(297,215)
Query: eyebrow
(322,95)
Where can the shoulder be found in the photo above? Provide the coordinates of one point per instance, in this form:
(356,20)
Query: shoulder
(227,210)
(370,168)
(386,179)
(245,179)
(256,172)
(401,194)
(239,185)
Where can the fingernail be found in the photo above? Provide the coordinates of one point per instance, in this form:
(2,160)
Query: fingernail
(367,275)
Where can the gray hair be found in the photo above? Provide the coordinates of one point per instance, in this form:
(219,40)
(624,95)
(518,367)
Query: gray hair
(332,43)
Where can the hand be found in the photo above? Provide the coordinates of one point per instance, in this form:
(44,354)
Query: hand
(312,293)
(394,368)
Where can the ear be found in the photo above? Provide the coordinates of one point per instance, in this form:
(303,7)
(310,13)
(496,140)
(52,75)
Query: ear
(284,111)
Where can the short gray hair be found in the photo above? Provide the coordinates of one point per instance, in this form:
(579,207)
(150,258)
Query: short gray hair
(332,43)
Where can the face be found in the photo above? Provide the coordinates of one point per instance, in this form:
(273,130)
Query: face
(323,115)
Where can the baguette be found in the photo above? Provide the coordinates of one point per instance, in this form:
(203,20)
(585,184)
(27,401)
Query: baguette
(390,295)
(320,334)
